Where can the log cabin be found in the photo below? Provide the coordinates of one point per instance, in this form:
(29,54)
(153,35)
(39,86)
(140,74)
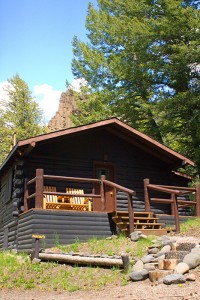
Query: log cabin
(100,165)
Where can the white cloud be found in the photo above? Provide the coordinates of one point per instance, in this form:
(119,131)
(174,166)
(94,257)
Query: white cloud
(78,83)
(48,99)
(3,93)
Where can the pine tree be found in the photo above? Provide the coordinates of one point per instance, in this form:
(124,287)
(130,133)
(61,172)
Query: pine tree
(20,115)
(142,60)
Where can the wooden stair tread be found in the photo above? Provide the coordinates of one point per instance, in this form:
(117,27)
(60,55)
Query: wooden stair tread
(146,224)
(143,221)
(136,213)
(135,218)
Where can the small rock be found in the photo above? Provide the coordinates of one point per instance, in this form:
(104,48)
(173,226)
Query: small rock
(134,236)
(138,276)
(150,266)
(36,261)
(139,266)
(165,249)
(174,279)
(161,257)
(181,268)
(112,237)
(143,236)
(190,277)
(166,241)
(153,250)
(155,245)
(147,259)
(174,246)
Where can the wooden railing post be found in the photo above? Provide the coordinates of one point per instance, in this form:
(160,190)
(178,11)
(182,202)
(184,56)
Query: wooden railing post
(130,213)
(197,198)
(39,186)
(25,194)
(146,195)
(102,192)
(176,215)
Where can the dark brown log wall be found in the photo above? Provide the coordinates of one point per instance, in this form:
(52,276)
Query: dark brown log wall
(62,227)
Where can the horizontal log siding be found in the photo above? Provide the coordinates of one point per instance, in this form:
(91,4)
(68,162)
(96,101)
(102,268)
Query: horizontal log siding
(62,227)
(169,221)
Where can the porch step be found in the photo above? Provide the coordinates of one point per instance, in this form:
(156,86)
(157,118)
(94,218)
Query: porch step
(143,221)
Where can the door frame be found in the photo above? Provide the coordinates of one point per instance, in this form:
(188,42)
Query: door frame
(110,193)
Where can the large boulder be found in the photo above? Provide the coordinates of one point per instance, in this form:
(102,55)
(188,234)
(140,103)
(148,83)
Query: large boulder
(164,250)
(192,260)
(138,266)
(181,268)
(174,279)
(139,275)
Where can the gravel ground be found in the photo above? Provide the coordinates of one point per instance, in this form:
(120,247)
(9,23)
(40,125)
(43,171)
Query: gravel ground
(133,291)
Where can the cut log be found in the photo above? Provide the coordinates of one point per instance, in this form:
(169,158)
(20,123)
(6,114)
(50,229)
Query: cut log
(82,260)
(157,275)
(167,264)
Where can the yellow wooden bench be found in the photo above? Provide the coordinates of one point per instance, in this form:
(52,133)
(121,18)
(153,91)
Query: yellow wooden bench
(50,201)
(78,202)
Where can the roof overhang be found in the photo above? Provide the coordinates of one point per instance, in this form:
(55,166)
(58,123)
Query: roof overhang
(113,125)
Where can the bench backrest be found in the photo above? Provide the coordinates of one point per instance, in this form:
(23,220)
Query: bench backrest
(50,198)
(75,199)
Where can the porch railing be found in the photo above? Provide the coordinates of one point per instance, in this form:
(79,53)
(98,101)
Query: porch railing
(174,192)
(103,185)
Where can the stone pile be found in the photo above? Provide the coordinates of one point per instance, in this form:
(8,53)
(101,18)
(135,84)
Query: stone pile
(167,261)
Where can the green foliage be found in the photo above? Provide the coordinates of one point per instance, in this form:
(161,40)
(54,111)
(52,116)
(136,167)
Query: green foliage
(142,65)
(20,115)
(142,246)
(191,225)
(17,271)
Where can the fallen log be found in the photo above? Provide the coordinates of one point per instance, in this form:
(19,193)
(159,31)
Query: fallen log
(82,260)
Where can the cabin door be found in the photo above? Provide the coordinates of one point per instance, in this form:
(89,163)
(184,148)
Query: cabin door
(110,196)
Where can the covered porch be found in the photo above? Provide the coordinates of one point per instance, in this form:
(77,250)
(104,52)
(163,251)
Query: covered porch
(100,196)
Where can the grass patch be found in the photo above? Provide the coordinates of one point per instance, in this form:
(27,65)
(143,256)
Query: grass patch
(190,225)
(17,271)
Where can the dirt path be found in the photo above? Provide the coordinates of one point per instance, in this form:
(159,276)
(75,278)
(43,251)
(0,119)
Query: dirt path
(133,291)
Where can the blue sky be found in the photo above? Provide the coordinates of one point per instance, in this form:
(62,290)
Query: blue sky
(35,38)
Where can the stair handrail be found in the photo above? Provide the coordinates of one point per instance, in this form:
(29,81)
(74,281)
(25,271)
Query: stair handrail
(129,193)
(174,191)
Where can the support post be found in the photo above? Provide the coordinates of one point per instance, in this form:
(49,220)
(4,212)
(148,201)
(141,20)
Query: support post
(130,213)
(25,194)
(125,261)
(102,192)
(197,198)
(176,215)
(37,238)
(39,186)
(146,195)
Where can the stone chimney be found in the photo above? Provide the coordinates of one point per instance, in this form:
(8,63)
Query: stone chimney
(66,107)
